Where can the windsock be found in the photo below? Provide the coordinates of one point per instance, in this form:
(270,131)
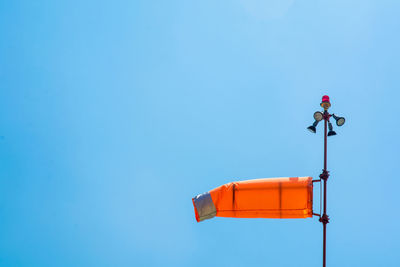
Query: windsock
(289,197)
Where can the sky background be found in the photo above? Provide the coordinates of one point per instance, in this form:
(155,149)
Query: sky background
(114,114)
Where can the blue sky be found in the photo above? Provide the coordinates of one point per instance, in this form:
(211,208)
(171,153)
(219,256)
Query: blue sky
(115,114)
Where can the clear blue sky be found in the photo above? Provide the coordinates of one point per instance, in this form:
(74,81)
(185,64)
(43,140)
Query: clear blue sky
(114,114)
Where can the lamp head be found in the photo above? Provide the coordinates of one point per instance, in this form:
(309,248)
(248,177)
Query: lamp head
(339,120)
(312,129)
(318,116)
(331,133)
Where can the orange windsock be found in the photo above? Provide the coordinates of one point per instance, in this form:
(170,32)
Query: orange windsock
(289,197)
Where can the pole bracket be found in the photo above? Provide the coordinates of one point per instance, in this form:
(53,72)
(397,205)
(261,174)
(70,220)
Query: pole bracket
(324,219)
(324,175)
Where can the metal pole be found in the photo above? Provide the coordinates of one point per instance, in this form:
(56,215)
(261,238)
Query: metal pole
(324,176)
(325,140)
(325,171)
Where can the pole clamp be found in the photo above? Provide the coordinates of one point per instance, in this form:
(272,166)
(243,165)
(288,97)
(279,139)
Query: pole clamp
(324,175)
(326,115)
(324,219)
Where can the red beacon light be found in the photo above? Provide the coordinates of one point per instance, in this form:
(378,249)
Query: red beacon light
(325,104)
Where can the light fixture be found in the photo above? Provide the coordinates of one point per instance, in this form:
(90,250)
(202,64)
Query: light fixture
(331,131)
(312,127)
(325,102)
(318,116)
(339,120)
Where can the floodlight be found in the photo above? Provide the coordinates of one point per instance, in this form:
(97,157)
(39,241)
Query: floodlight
(331,131)
(318,116)
(312,127)
(339,120)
